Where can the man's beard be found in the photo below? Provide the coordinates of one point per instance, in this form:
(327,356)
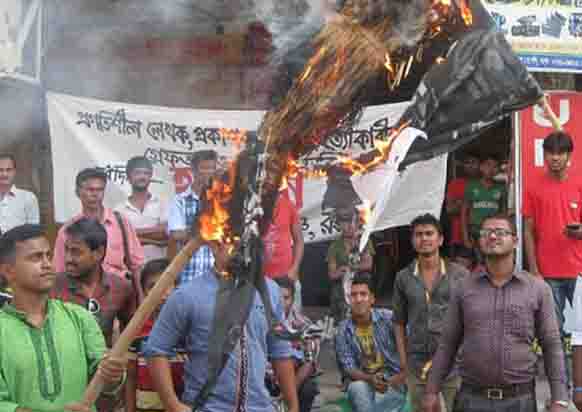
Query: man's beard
(428,254)
(139,189)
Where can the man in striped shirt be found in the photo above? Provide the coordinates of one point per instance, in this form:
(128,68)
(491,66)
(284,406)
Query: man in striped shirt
(184,210)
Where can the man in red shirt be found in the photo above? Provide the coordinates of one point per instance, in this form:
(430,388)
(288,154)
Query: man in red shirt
(283,243)
(456,194)
(552,211)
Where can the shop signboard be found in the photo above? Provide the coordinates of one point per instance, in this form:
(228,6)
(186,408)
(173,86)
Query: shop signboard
(546,34)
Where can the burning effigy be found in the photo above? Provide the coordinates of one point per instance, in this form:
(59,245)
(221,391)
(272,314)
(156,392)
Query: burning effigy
(358,42)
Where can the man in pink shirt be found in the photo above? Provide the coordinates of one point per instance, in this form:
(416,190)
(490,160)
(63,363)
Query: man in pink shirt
(90,188)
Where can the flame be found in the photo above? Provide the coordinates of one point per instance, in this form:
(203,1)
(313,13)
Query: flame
(466,13)
(237,136)
(215,218)
(365,212)
(355,166)
(214,224)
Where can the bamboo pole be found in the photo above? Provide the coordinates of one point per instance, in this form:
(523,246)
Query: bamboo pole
(550,115)
(143,312)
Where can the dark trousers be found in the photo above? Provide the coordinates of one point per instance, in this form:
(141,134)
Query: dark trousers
(307,393)
(470,402)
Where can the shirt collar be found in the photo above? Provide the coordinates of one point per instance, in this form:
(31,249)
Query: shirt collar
(73,283)
(443,268)
(152,199)
(108,216)
(519,275)
(11,192)
(9,309)
(352,326)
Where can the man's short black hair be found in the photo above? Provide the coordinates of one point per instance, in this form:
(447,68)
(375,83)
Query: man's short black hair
(285,283)
(138,162)
(426,219)
(558,142)
(201,156)
(16,235)
(9,156)
(488,156)
(89,231)
(363,278)
(151,268)
(90,173)
(501,216)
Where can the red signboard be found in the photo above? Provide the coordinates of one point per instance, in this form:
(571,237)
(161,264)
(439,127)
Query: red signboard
(534,126)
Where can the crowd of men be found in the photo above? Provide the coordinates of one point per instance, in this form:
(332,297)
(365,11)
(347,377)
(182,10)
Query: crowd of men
(460,335)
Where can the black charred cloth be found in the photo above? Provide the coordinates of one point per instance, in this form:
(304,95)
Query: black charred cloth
(479,83)
(234,302)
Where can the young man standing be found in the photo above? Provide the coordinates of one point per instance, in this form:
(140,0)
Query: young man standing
(188,316)
(553,217)
(90,188)
(145,211)
(366,351)
(108,297)
(17,206)
(483,198)
(496,314)
(50,349)
(420,301)
(184,210)
(283,243)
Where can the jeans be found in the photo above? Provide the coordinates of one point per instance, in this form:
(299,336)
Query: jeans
(563,289)
(364,398)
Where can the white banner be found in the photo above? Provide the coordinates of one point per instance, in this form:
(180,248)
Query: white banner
(94,133)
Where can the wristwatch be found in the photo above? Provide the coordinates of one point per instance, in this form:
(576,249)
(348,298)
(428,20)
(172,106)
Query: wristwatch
(563,404)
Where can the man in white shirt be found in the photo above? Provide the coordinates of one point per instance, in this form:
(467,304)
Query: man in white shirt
(17,206)
(144,210)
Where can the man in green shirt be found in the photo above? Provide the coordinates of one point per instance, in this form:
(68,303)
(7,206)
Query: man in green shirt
(483,198)
(339,268)
(50,349)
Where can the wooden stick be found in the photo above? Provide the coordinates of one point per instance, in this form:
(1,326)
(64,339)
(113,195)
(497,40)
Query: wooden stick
(551,116)
(143,312)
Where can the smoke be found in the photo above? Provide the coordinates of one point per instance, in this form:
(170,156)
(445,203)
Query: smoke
(292,23)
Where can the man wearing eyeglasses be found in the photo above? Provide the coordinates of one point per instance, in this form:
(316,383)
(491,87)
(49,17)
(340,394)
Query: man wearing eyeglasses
(107,296)
(496,314)
(50,349)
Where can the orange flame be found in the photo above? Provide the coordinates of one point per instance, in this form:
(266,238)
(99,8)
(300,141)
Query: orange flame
(355,166)
(237,136)
(466,13)
(365,212)
(215,226)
